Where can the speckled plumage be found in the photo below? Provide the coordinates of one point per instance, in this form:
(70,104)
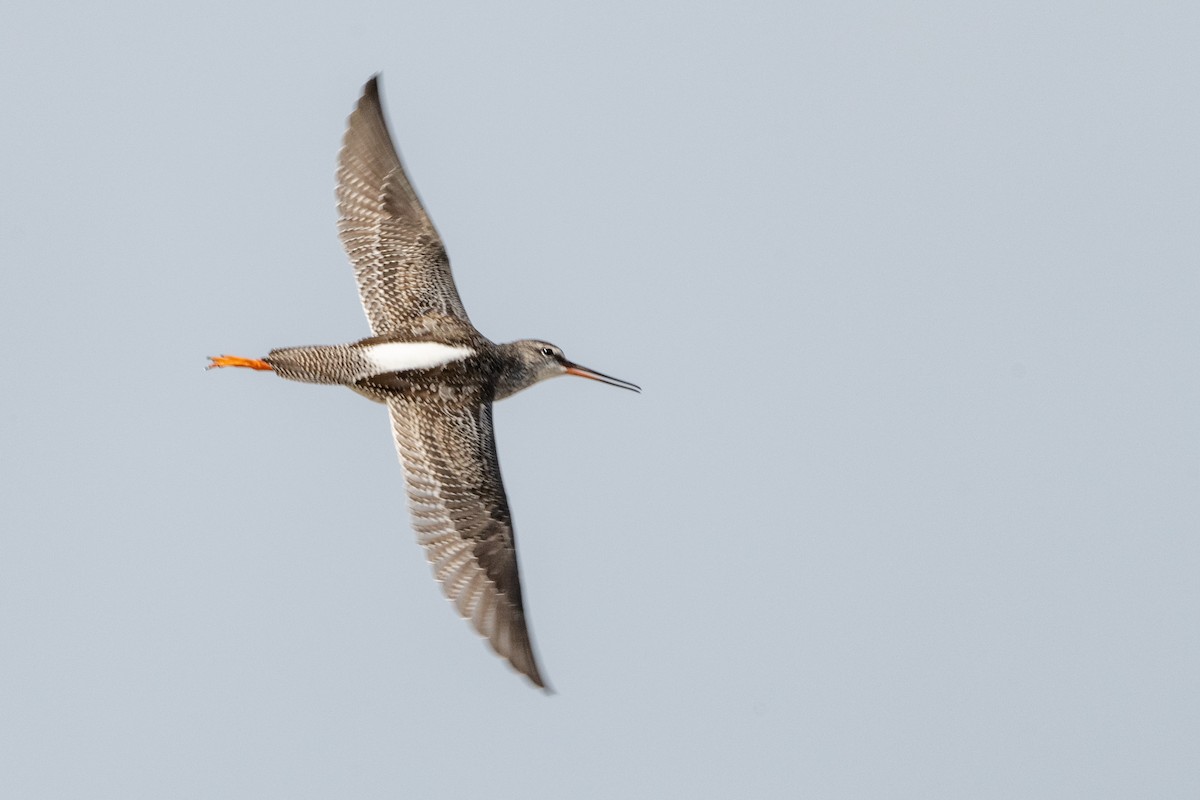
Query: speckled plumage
(441,415)
(401,264)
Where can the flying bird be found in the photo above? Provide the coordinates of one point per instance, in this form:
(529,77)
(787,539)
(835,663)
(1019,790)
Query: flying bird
(437,375)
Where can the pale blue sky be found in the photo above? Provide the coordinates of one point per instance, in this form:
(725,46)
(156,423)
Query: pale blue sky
(908,507)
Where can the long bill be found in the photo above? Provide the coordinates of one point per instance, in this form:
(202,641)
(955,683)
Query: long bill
(584,372)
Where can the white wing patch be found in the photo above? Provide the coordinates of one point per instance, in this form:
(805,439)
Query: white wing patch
(401,356)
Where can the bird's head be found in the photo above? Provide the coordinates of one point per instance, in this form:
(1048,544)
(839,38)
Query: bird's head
(540,360)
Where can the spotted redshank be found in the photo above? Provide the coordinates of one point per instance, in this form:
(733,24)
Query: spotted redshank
(438,377)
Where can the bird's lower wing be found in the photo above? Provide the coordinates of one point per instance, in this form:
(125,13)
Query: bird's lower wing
(461,515)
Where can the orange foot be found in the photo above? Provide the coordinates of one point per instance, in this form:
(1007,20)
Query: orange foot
(237,361)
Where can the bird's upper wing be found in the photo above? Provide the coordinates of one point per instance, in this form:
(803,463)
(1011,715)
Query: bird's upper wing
(401,265)
(461,515)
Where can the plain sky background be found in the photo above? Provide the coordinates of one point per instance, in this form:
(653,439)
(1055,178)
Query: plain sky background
(908,509)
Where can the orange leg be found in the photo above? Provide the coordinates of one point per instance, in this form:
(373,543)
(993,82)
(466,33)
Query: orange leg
(237,361)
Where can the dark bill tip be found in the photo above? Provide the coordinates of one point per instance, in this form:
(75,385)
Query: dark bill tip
(584,372)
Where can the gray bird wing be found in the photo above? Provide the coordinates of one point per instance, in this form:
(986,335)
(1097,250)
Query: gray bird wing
(461,515)
(399,260)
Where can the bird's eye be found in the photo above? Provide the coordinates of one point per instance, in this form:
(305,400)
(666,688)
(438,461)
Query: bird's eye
(547,351)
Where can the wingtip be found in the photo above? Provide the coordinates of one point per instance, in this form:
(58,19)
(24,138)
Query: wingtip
(535,677)
(371,87)
(524,662)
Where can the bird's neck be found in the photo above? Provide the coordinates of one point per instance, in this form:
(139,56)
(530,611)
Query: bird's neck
(515,374)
